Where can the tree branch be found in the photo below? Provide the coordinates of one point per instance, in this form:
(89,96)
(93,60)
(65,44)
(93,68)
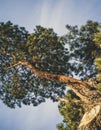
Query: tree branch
(12,66)
(66,101)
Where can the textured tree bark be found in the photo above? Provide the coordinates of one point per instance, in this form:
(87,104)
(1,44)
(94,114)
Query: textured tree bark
(89,116)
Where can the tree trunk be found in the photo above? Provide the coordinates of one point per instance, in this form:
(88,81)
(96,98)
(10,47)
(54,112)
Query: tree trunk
(87,92)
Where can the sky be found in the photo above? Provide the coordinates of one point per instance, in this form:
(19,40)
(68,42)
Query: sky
(48,13)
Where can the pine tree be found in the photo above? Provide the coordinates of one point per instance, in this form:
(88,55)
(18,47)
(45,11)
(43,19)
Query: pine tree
(42,64)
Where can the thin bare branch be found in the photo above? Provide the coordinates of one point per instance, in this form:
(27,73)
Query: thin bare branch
(12,67)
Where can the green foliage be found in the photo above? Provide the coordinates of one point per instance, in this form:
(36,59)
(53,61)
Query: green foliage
(12,39)
(45,49)
(97,39)
(71,112)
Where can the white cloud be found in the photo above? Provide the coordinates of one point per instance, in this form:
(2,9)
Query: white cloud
(52,15)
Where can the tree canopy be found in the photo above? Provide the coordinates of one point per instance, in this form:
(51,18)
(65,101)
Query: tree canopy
(40,65)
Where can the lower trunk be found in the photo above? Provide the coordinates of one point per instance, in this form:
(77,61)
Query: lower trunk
(91,120)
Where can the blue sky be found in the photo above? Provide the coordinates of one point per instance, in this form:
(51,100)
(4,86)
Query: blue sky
(48,13)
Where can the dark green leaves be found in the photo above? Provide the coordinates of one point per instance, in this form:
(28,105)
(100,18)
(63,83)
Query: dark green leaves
(97,39)
(47,52)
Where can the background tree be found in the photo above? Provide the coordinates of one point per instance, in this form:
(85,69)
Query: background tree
(40,65)
(97,39)
(71,109)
